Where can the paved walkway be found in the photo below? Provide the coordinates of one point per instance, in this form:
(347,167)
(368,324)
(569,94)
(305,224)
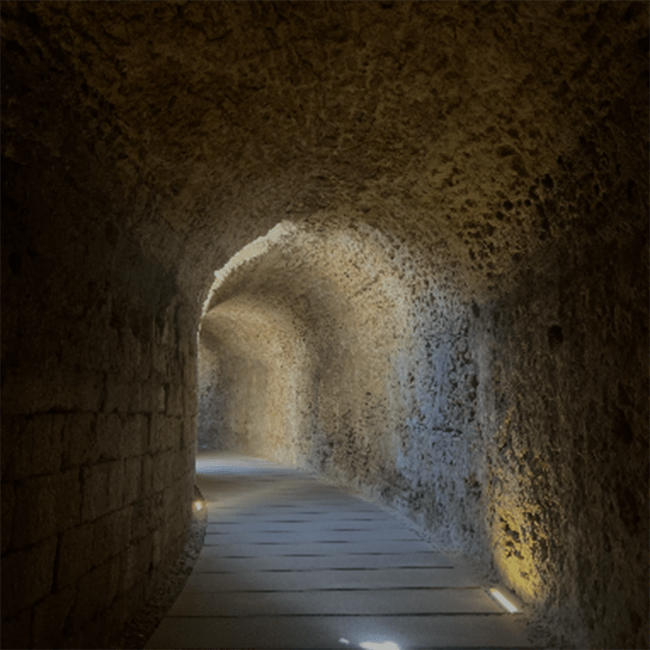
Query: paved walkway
(290,562)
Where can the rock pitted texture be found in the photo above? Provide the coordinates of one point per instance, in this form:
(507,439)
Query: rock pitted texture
(451,314)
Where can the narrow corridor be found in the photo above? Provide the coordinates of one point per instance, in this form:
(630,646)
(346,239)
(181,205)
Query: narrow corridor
(290,561)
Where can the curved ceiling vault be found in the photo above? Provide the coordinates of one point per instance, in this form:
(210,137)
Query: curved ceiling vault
(450,124)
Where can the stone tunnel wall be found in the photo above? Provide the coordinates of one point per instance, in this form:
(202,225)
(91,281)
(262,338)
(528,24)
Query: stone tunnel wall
(97,422)
(383,369)
(564,474)
(564,365)
(493,418)
(308,339)
(98,359)
(249,376)
(492,178)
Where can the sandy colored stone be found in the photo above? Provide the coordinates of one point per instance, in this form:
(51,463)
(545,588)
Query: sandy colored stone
(447,309)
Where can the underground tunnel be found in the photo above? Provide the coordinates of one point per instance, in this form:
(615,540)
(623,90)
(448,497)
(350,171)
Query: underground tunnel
(402,245)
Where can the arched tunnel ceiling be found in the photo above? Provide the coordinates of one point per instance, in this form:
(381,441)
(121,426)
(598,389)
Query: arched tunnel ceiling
(329,288)
(492,159)
(444,122)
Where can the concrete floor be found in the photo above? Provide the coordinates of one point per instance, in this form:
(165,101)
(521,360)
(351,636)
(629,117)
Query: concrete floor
(291,562)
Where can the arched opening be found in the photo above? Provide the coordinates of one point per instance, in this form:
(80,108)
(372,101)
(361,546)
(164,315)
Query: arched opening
(301,352)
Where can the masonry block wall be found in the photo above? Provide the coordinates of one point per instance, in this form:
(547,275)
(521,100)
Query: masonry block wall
(98,400)
(97,420)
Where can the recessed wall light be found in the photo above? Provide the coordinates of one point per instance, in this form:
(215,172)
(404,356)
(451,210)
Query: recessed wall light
(379,645)
(503,601)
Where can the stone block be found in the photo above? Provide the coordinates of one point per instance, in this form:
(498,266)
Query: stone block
(45,445)
(74,389)
(103,489)
(91,590)
(46,505)
(75,555)
(85,390)
(148,396)
(136,596)
(15,631)
(188,482)
(175,440)
(171,500)
(120,615)
(136,434)
(35,496)
(132,479)
(190,459)
(67,490)
(162,470)
(98,351)
(143,369)
(191,403)
(113,362)
(27,576)
(156,552)
(112,535)
(138,402)
(157,514)
(99,588)
(160,392)
(110,437)
(8,498)
(9,425)
(79,439)
(177,538)
(147,474)
(118,394)
(178,464)
(175,399)
(138,561)
(171,433)
(160,358)
(49,618)
(158,424)
(179,434)
(131,352)
(116,485)
(38,446)
(189,431)
(31,391)
(141,516)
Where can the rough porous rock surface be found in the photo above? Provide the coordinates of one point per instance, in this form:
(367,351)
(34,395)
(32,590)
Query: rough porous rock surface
(429,228)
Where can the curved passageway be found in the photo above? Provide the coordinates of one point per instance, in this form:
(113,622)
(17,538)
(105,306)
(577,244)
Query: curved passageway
(292,562)
(436,216)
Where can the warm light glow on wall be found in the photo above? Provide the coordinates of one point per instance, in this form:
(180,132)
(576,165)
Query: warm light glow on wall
(514,552)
